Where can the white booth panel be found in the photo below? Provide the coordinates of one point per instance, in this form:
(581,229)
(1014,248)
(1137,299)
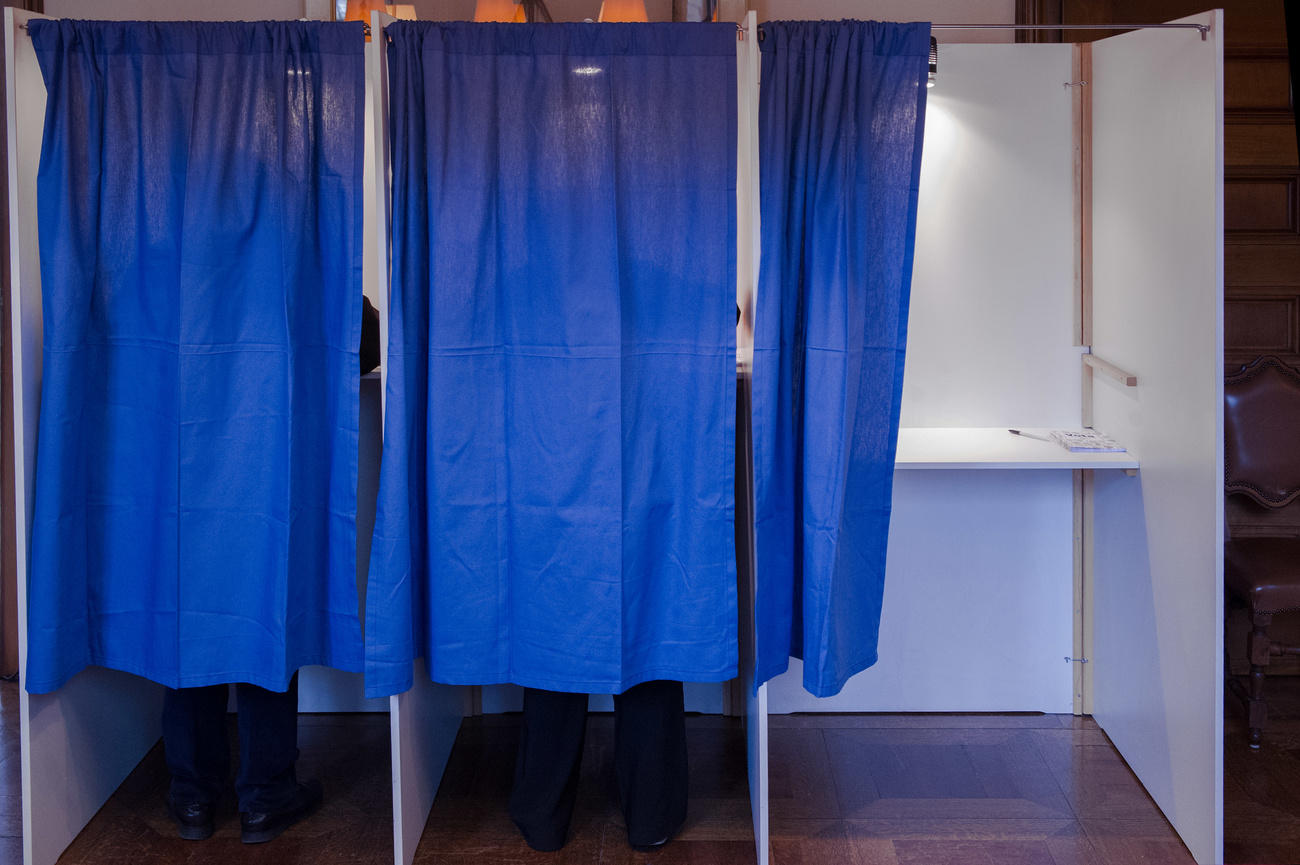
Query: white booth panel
(1158,299)
(977,610)
(990,334)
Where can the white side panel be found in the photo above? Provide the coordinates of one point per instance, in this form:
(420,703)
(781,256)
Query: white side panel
(79,744)
(756,701)
(983,558)
(423,725)
(748,253)
(81,741)
(991,326)
(756,761)
(1158,301)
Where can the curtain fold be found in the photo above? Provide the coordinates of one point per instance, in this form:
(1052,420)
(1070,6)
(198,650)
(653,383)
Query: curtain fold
(200,230)
(556,497)
(841,116)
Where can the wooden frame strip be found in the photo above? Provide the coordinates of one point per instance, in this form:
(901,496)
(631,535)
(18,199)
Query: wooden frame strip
(1081,98)
(1106,368)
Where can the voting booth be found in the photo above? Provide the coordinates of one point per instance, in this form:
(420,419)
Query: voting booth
(1068,273)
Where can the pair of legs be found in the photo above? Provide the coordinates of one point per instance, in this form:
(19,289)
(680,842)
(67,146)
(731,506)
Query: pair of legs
(198,756)
(650,761)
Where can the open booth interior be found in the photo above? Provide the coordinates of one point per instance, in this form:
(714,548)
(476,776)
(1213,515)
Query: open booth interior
(1008,557)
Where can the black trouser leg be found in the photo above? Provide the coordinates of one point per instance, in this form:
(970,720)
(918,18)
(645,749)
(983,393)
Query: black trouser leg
(650,758)
(268,748)
(195,743)
(548,766)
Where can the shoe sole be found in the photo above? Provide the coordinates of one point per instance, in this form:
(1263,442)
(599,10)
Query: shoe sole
(271,834)
(195,833)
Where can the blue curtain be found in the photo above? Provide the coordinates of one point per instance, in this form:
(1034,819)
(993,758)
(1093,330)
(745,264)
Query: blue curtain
(200,233)
(841,114)
(556,499)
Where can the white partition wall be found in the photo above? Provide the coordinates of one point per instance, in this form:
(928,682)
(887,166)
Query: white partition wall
(1158,301)
(989,338)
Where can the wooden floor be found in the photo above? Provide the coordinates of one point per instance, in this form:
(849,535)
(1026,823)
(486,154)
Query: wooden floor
(11,811)
(858,789)
(1261,789)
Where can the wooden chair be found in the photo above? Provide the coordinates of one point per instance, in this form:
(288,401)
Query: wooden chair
(1262,466)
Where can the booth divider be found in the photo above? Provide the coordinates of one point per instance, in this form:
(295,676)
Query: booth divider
(1157,675)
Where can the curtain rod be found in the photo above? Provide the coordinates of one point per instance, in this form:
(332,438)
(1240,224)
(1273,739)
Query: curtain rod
(365,28)
(1203,28)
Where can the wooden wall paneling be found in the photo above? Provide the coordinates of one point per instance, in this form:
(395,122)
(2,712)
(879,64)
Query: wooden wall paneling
(1041,12)
(1259,142)
(1261,324)
(1254,264)
(1261,204)
(1257,79)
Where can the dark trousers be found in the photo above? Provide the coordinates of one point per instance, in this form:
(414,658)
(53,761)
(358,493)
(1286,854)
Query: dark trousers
(649,759)
(197,745)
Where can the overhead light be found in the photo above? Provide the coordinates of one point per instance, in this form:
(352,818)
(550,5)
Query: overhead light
(506,11)
(623,10)
(934,62)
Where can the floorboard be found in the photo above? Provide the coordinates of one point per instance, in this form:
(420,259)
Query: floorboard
(857,789)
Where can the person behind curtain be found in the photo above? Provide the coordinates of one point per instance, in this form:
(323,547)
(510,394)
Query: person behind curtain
(556,501)
(195,521)
(197,750)
(649,760)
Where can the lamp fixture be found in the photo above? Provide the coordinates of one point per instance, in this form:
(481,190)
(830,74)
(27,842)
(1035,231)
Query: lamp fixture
(934,62)
(623,10)
(506,11)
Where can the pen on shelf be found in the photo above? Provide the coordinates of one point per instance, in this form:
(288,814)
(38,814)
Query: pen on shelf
(1016,432)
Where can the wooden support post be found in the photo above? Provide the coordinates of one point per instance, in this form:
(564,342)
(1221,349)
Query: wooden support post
(1081,95)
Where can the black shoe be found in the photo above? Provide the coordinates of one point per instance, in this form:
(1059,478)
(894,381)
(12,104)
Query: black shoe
(193,820)
(258,828)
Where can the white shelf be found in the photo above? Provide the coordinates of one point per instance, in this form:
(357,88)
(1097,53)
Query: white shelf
(994,448)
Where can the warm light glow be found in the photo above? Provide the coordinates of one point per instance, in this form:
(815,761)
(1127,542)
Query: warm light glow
(506,11)
(623,10)
(359,10)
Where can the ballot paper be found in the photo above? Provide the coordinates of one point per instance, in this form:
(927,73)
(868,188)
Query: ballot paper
(1086,441)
